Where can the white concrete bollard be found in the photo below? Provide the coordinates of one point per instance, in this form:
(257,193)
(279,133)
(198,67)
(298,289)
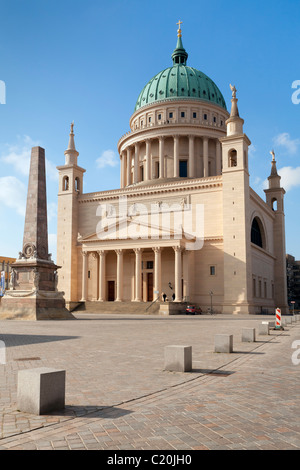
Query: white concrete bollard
(41,390)
(248,335)
(178,358)
(223,343)
(264,328)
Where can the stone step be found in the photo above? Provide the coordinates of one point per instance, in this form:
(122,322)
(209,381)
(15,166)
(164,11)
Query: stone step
(141,308)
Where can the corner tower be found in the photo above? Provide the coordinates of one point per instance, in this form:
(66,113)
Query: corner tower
(70,187)
(275,199)
(236,217)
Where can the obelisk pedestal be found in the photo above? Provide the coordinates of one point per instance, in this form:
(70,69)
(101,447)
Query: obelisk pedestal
(33,291)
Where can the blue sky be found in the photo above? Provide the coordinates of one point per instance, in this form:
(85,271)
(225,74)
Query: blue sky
(87,61)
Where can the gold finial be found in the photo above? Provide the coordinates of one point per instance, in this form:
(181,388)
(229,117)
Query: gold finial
(179,29)
(72,127)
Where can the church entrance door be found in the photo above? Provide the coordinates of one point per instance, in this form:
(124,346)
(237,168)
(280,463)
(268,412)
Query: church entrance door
(111,291)
(150,287)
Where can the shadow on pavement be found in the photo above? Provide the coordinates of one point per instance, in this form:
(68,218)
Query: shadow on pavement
(104,412)
(11,340)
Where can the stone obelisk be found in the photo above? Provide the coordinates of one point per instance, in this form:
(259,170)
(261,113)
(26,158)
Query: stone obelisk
(32,293)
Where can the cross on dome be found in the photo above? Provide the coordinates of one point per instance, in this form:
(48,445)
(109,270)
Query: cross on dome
(179,28)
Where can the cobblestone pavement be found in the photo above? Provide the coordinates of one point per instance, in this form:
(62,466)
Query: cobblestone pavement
(118,395)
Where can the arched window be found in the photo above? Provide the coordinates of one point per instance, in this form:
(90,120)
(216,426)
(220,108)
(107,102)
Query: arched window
(274,204)
(232,158)
(257,233)
(77,184)
(65,183)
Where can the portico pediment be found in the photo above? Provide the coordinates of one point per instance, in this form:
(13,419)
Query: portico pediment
(131,228)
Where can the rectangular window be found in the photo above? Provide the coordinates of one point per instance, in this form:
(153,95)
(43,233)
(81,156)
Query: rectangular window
(183,168)
(170,115)
(149,119)
(212,270)
(194,115)
(149,264)
(157,169)
(159,117)
(205,117)
(182,114)
(215,119)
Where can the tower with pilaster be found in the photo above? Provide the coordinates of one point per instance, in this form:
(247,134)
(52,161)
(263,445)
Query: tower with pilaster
(70,187)
(236,215)
(275,200)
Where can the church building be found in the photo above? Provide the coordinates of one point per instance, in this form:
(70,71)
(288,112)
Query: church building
(185,221)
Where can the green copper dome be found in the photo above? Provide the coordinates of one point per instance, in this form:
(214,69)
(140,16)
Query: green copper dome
(180,82)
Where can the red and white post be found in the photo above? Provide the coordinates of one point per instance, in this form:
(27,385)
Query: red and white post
(278,318)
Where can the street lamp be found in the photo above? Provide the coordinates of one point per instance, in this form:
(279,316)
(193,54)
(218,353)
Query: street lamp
(211,296)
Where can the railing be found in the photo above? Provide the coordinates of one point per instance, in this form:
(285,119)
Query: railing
(152,303)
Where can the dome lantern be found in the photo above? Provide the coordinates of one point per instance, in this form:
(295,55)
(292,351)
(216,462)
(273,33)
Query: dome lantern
(179,55)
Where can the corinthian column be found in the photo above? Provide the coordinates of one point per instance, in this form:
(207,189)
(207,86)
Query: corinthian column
(161,157)
(138,274)
(178,273)
(148,160)
(84,276)
(119,275)
(191,156)
(157,271)
(128,166)
(176,156)
(136,168)
(102,255)
(205,157)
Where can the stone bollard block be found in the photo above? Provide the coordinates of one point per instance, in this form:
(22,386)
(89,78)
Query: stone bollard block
(178,358)
(248,335)
(41,390)
(288,320)
(223,343)
(264,328)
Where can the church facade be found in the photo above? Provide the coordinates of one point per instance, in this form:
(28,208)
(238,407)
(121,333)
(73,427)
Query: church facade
(185,221)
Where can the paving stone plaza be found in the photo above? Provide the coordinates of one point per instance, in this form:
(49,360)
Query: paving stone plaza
(119,397)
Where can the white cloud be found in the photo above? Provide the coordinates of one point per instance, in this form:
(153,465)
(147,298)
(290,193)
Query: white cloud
(13,194)
(108,158)
(18,155)
(284,140)
(290,177)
